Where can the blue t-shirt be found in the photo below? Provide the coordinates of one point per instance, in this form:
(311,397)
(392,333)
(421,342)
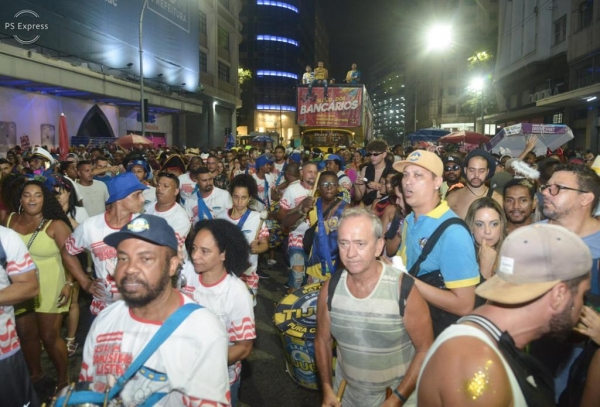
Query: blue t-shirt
(453,254)
(593,243)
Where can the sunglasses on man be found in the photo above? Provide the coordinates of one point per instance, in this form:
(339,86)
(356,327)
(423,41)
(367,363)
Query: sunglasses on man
(454,167)
(374,153)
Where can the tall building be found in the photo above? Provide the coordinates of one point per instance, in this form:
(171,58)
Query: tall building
(547,67)
(438,79)
(389,102)
(85,62)
(278,40)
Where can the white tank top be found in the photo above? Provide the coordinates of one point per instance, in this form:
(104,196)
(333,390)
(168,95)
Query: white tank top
(456,330)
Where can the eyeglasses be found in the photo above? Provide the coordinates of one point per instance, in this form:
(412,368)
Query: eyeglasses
(374,154)
(328,185)
(555,189)
(455,167)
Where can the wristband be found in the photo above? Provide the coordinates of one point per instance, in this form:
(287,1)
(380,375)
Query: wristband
(400,396)
(70,283)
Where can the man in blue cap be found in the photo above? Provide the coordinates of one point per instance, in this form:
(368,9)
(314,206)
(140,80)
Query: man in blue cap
(124,203)
(191,364)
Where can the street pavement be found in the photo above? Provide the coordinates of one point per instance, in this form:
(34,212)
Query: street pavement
(265,381)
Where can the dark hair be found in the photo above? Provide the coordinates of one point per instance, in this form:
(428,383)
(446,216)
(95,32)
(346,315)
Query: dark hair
(63,165)
(51,209)
(4,161)
(167,174)
(279,147)
(82,163)
(573,283)
(587,180)
(328,173)
(63,184)
(9,186)
(201,170)
(520,182)
(377,145)
(244,181)
(230,240)
(546,168)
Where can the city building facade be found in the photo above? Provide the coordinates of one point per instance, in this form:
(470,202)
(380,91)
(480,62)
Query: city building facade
(278,40)
(85,62)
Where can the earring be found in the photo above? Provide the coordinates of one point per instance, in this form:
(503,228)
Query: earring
(20,208)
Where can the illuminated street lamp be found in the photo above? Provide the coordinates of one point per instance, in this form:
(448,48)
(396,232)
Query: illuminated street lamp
(439,38)
(478,85)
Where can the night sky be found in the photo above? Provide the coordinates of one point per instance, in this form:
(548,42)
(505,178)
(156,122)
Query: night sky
(365,32)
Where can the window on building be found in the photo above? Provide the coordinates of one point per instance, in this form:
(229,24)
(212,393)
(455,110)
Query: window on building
(225,3)
(451,91)
(586,13)
(451,109)
(560,30)
(223,72)
(557,118)
(203,62)
(585,76)
(223,38)
(202,23)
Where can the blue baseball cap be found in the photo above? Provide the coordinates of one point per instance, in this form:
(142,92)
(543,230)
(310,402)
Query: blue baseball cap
(332,157)
(122,185)
(263,160)
(150,228)
(141,163)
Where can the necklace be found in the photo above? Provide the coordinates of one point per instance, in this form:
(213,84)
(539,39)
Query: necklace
(478,196)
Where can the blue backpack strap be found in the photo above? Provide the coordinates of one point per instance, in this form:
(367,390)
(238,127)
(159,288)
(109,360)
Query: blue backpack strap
(167,328)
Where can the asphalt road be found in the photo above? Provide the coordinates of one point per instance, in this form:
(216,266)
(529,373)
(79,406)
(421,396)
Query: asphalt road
(265,381)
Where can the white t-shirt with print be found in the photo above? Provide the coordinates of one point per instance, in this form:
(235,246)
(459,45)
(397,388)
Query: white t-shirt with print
(176,217)
(89,235)
(249,230)
(219,200)
(18,261)
(186,186)
(231,301)
(277,169)
(293,195)
(262,192)
(191,365)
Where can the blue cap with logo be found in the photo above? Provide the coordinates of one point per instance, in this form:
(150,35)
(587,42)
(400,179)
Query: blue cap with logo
(150,228)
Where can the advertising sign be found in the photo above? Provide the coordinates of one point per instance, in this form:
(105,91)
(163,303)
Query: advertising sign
(342,108)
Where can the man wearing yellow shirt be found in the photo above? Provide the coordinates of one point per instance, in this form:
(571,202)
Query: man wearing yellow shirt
(321,77)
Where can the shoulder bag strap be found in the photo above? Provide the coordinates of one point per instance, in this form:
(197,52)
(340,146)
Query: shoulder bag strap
(406,286)
(333,282)
(431,242)
(167,328)
(40,226)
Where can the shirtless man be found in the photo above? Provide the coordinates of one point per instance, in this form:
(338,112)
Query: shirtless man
(478,167)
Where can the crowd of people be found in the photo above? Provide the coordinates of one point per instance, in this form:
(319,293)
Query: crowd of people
(446,277)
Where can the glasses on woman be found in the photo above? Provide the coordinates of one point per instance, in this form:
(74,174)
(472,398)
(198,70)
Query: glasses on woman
(554,189)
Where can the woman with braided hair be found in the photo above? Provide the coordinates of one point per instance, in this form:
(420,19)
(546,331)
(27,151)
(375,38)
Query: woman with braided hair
(44,227)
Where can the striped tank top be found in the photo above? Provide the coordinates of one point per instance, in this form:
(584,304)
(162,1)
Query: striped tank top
(373,347)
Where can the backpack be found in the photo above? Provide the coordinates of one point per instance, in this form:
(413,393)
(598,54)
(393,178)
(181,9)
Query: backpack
(405,288)
(440,319)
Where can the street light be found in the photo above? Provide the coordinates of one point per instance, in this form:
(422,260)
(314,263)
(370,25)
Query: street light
(439,37)
(478,85)
(143,114)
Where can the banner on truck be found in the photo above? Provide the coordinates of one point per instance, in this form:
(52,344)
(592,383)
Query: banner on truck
(342,108)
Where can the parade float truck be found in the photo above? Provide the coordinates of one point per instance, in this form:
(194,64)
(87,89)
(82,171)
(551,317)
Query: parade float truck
(343,118)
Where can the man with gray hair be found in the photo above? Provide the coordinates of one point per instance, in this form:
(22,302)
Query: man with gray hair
(381,303)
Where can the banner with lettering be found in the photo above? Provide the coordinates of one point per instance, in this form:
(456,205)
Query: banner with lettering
(342,108)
